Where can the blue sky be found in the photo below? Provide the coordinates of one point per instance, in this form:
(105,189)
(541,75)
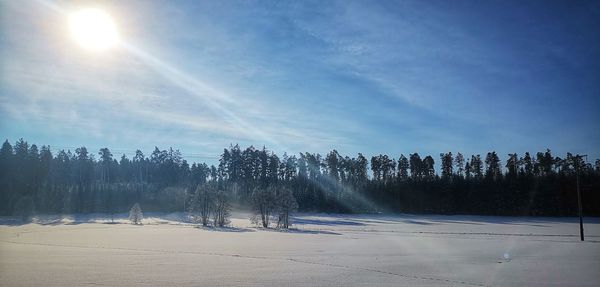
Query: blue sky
(357,76)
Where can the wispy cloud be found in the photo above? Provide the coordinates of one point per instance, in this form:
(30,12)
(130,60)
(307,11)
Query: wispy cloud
(299,76)
(143,87)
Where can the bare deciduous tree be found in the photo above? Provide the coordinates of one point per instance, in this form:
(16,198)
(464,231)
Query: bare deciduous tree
(263,203)
(202,204)
(286,205)
(222,210)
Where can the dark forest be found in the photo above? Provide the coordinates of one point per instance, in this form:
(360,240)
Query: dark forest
(34,180)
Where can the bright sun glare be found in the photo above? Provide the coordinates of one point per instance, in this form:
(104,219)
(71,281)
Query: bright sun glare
(93,29)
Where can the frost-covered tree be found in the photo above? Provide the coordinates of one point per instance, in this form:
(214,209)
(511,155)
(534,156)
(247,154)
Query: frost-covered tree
(222,210)
(202,204)
(135,214)
(286,205)
(264,204)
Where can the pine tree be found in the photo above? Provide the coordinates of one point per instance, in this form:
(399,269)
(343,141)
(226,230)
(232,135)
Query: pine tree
(545,162)
(527,164)
(7,177)
(376,168)
(105,161)
(403,167)
(447,164)
(468,171)
(428,167)
(492,163)
(476,166)
(459,160)
(416,169)
(512,165)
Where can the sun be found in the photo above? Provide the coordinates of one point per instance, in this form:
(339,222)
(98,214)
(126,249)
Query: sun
(93,29)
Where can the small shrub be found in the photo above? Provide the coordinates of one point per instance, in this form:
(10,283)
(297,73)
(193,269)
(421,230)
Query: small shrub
(135,214)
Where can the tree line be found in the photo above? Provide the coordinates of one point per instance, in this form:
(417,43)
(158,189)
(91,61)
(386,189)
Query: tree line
(32,179)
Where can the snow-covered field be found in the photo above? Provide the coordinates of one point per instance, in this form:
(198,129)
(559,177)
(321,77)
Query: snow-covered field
(323,250)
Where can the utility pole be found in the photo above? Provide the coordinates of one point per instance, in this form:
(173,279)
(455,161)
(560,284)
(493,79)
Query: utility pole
(578,163)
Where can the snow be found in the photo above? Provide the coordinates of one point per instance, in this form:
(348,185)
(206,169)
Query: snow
(321,250)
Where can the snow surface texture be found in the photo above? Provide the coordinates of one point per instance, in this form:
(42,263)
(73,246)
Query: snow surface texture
(322,250)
